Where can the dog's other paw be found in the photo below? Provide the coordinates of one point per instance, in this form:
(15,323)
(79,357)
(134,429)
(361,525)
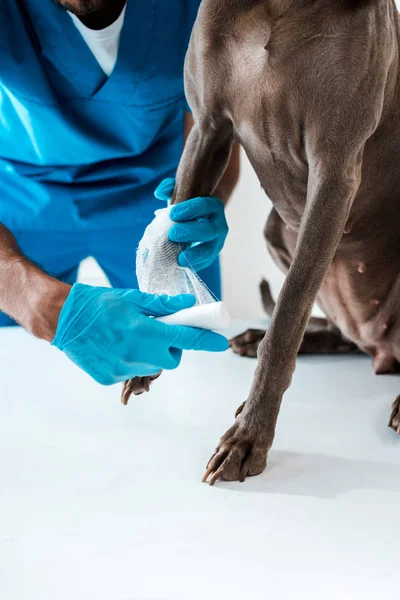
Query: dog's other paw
(394,422)
(137,386)
(246,344)
(242,452)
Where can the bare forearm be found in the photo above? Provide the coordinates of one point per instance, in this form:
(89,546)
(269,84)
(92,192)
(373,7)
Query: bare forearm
(27,294)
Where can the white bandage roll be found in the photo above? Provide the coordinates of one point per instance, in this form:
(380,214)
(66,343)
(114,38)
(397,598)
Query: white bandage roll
(214,316)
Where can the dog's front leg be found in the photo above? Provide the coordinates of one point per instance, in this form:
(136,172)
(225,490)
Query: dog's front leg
(204,159)
(243,450)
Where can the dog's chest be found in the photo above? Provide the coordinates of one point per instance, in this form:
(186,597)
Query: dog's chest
(267,118)
(273,140)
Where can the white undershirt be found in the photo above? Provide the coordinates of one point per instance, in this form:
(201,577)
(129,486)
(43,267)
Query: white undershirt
(103,43)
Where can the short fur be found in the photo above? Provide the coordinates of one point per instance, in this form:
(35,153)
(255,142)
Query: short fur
(310,89)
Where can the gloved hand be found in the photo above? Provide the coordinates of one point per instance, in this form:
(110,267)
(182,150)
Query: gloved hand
(109,333)
(200,223)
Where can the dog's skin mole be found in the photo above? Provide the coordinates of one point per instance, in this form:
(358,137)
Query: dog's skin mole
(362,267)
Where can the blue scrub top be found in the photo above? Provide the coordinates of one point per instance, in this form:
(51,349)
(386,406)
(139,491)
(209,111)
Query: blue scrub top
(78,149)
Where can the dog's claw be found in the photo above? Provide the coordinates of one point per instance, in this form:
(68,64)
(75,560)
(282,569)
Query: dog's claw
(242,452)
(394,422)
(243,474)
(239,410)
(215,466)
(216,475)
(137,386)
(207,474)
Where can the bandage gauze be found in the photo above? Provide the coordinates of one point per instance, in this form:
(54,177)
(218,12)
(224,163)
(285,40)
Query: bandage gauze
(158,272)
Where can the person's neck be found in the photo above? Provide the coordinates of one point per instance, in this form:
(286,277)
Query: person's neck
(104,17)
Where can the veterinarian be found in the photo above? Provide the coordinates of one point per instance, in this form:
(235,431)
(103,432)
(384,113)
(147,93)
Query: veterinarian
(92,119)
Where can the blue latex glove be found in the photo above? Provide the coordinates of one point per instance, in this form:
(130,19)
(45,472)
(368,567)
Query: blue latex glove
(200,223)
(109,333)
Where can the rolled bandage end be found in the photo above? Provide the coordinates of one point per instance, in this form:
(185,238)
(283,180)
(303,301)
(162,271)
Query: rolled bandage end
(214,317)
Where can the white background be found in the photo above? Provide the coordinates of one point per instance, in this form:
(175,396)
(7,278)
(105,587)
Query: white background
(245,258)
(104,502)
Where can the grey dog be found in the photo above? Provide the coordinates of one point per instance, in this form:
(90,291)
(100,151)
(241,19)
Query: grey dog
(310,89)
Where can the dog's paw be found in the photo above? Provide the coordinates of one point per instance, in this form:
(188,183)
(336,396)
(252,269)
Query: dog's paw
(242,452)
(137,386)
(394,422)
(246,344)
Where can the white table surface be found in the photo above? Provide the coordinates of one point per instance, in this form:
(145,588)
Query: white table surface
(103,502)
